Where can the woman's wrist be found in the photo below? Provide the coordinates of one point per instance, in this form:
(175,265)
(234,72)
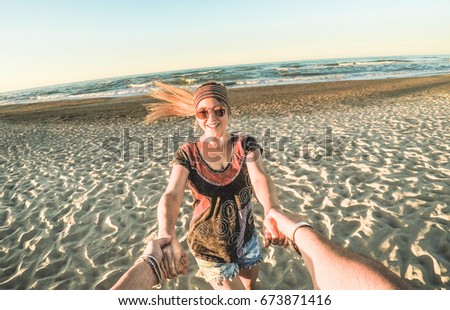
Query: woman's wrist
(268,210)
(165,233)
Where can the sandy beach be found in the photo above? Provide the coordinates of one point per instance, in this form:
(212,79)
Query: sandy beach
(367,161)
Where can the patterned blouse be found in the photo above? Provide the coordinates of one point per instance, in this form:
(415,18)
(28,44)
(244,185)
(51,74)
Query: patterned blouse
(222,220)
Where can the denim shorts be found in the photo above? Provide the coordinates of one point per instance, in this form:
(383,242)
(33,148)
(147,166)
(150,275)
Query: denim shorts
(217,272)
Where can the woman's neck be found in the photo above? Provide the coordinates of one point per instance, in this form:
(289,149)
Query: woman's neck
(216,142)
(216,151)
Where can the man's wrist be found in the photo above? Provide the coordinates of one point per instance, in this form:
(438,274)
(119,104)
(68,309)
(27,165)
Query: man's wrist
(143,269)
(304,236)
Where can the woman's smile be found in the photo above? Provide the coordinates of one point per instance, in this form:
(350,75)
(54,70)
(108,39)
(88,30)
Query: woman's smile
(213,126)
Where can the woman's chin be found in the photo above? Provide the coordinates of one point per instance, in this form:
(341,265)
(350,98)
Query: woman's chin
(214,133)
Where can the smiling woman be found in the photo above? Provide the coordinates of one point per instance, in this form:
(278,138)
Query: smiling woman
(222,170)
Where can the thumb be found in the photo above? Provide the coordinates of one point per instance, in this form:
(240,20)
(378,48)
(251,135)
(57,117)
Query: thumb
(267,238)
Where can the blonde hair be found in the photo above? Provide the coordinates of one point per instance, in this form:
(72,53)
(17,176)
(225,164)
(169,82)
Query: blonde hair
(175,102)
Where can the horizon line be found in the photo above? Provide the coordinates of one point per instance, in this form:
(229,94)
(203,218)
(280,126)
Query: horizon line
(209,67)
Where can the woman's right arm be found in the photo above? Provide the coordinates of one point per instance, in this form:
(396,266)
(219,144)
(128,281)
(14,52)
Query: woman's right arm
(174,257)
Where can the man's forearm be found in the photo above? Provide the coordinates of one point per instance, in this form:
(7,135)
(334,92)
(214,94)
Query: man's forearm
(334,267)
(139,277)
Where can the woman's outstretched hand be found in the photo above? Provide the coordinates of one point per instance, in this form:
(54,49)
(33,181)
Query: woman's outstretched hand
(272,235)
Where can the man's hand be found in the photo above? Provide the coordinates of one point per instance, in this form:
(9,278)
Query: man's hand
(154,247)
(174,261)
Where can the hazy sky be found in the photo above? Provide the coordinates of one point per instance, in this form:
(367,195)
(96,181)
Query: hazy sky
(52,42)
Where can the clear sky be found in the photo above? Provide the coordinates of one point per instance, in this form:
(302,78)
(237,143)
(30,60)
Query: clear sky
(49,42)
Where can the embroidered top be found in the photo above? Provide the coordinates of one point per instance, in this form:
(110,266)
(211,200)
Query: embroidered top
(222,220)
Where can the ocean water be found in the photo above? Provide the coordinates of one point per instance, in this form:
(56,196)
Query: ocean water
(275,73)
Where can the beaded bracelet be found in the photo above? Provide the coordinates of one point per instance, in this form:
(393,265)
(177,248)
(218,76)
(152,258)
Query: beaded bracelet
(151,260)
(296,227)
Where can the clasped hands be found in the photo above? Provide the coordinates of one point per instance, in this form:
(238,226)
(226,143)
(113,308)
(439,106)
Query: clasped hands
(174,258)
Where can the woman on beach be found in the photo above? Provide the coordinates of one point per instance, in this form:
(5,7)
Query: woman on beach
(222,170)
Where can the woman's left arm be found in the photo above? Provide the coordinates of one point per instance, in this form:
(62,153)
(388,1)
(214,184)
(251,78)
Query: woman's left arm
(266,194)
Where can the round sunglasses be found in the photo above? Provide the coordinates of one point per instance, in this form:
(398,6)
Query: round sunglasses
(203,113)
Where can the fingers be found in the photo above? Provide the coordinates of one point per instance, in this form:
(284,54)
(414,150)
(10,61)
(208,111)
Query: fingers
(181,266)
(174,261)
(275,237)
(272,232)
(165,268)
(184,262)
(281,239)
(173,270)
(272,229)
(267,238)
(286,242)
(168,264)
